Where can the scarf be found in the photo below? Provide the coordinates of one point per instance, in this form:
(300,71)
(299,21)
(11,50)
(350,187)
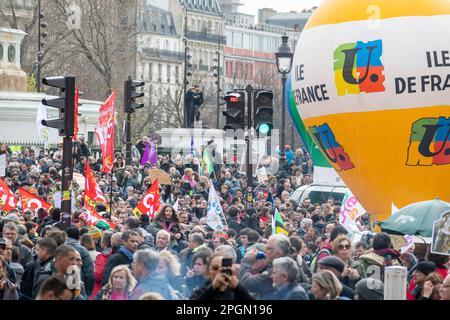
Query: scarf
(388,254)
(126,252)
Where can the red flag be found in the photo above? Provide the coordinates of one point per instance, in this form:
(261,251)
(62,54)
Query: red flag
(31,202)
(7,199)
(93,195)
(75,117)
(150,203)
(105,131)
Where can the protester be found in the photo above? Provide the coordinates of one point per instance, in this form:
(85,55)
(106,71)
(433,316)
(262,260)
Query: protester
(326,286)
(222,284)
(120,285)
(144,266)
(284,277)
(8,291)
(369,289)
(55,288)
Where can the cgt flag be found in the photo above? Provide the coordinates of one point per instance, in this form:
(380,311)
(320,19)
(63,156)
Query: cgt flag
(7,199)
(105,131)
(92,197)
(31,202)
(150,203)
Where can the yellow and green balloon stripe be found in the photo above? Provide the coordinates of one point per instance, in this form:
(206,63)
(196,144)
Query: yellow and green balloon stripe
(317,157)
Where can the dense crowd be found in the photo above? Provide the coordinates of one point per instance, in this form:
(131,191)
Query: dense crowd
(176,255)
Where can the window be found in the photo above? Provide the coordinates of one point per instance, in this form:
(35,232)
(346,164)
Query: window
(247,43)
(1,52)
(159,72)
(177,75)
(168,73)
(150,71)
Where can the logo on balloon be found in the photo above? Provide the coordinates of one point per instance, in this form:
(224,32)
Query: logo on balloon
(334,151)
(430,142)
(358,68)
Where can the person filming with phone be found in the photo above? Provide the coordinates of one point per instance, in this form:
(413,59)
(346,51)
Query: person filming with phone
(222,284)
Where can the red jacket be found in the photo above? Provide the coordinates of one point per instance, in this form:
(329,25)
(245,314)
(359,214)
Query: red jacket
(99,269)
(442,271)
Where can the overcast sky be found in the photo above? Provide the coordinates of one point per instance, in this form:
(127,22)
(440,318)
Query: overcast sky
(252,6)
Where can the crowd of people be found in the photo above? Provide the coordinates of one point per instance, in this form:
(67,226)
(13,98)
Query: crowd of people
(176,255)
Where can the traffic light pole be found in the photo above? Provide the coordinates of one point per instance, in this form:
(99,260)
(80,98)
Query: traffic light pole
(128,146)
(249,173)
(67,175)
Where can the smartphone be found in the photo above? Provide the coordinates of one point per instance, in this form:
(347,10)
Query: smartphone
(226,266)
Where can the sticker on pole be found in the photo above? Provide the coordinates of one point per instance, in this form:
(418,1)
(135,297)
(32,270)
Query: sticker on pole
(66,195)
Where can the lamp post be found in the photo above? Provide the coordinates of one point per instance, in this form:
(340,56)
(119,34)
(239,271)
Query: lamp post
(284,57)
(41,45)
(216,74)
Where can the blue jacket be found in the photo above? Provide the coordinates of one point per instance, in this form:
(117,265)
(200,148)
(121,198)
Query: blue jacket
(153,282)
(292,291)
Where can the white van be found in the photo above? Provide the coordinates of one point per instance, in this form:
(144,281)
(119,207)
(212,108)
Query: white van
(318,193)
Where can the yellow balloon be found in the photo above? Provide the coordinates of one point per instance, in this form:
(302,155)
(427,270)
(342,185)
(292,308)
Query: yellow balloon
(371,80)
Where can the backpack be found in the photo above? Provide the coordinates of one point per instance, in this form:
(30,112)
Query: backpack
(314,260)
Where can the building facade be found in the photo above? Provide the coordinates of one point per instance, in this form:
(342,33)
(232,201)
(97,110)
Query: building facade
(159,61)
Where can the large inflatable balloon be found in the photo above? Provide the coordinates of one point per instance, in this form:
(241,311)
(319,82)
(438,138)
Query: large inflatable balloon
(371,81)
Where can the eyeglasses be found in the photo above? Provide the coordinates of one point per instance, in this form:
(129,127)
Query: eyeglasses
(344,246)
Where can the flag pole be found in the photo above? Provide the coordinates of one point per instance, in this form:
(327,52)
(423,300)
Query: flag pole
(111,194)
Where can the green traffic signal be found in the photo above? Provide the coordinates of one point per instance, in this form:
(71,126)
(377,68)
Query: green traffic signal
(264,128)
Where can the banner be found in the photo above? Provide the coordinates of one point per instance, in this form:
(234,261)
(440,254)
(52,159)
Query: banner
(105,132)
(149,203)
(440,243)
(351,209)
(42,131)
(214,213)
(7,199)
(31,202)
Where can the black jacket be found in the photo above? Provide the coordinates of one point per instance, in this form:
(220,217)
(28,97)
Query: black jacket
(115,260)
(208,293)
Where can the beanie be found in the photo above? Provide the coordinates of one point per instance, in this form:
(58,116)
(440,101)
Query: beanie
(370,289)
(333,262)
(102,224)
(95,233)
(426,267)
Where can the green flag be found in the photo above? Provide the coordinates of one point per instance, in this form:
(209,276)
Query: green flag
(278,224)
(207,163)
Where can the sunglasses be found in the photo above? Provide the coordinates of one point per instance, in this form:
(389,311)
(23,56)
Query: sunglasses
(344,246)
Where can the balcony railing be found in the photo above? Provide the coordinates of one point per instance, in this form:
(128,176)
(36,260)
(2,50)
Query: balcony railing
(163,54)
(206,37)
(204,67)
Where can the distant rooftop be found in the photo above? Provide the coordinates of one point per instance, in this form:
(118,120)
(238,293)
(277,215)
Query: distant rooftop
(156,20)
(289,19)
(207,6)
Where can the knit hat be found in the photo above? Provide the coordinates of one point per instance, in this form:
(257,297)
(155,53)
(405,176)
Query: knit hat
(370,289)
(333,262)
(102,224)
(95,233)
(426,267)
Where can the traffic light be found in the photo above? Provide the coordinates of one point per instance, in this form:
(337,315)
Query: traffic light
(130,95)
(235,112)
(263,111)
(65,104)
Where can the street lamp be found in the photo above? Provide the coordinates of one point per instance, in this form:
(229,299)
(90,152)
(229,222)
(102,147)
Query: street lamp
(41,45)
(216,74)
(284,57)
(187,73)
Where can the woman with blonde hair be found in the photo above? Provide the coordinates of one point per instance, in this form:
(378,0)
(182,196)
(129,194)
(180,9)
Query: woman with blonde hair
(120,285)
(326,286)
(170,267)
(354,270)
